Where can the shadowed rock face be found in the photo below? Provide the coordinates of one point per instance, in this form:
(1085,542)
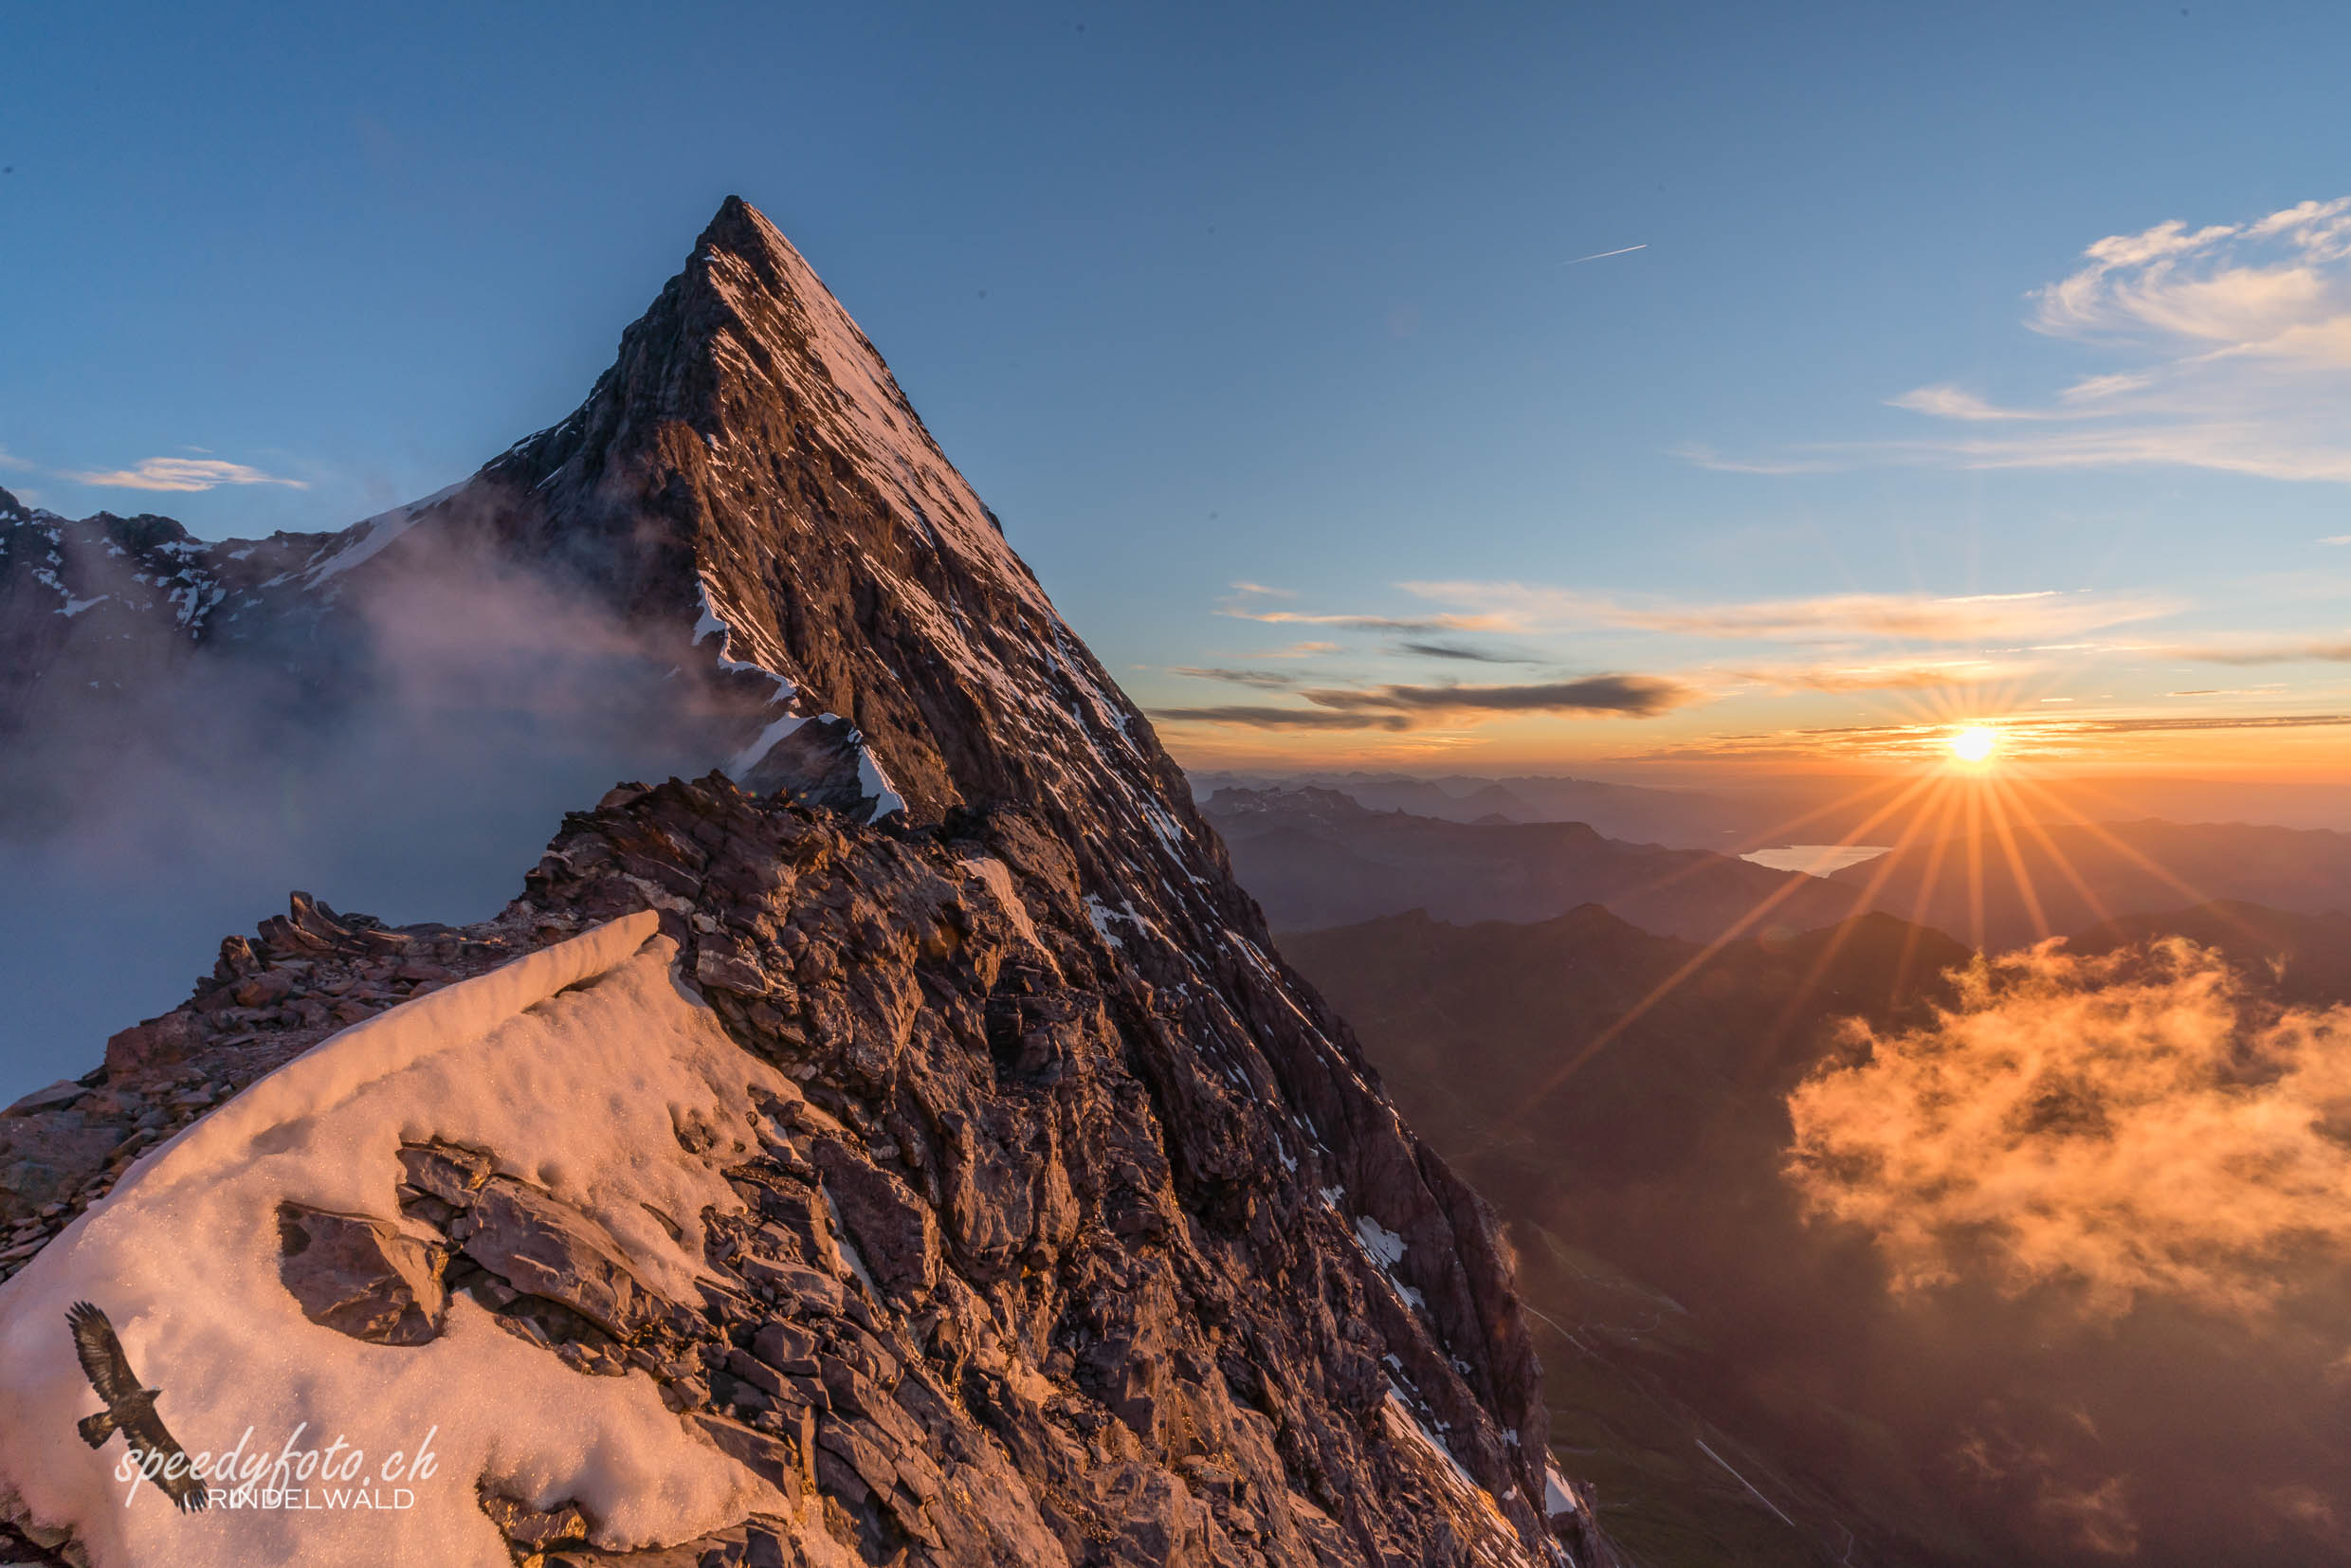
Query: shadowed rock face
(1089,1236)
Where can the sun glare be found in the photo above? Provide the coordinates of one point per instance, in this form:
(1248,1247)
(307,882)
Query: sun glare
(1975,743)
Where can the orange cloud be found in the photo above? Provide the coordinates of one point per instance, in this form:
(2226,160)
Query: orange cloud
(2122,1126)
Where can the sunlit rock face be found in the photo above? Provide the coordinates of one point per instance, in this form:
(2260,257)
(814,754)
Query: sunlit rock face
(912,1152)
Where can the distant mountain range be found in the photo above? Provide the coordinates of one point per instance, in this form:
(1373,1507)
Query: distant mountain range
(1686,819)
(1733,816)
(1316,857)
(2006,889)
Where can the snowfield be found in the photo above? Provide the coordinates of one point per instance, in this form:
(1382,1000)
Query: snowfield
(574,1066)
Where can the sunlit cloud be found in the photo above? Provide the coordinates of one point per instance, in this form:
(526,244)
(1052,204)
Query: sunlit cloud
(1262,589)
(1946,402)
(2249,325)
(1908,675)
(2122,1126)
(1914,617)
(2029,738)
(2263,652)
(180,474)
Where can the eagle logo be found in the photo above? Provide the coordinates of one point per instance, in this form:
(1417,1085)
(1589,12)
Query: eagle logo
(130,1408)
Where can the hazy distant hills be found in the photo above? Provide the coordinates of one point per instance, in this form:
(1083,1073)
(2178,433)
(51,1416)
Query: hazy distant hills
(2297,958)
(1483,1028)
(1734,816)
(1686,819)
(1747,1389)
(1684,1303)
(1314,857)
(2006,890)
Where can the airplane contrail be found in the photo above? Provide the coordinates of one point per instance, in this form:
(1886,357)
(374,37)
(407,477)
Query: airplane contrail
(1604,255)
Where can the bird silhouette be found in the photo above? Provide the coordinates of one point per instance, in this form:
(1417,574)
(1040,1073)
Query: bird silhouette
(130,1406)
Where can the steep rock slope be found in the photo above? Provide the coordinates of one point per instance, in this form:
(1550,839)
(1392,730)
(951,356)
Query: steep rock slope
(1066,1222)
(1720,1363)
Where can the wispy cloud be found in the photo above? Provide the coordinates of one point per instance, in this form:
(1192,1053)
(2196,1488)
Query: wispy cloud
(180,473)
(1452,651)
(1284,719)
(1899,675)
(2263,651)
(1604,255)
(1707,457)
(1634,696)
(1262,589)
(2056,738)
(2239,342)
(1948,402)
(2037,616)
(1400,707)
(1372,622)
(1265,680)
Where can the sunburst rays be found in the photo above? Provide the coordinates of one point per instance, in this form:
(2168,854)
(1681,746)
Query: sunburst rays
(1977,800)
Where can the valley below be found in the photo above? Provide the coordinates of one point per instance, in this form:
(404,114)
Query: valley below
(1778,1335)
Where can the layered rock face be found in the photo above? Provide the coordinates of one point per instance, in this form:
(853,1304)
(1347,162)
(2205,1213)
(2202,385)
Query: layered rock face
(1071,1226)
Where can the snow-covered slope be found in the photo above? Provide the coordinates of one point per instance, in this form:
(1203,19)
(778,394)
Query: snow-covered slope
(570,1068)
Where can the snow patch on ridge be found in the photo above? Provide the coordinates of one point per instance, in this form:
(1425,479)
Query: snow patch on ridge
(370,536)
(711,623)
(569,1065)
(876,783)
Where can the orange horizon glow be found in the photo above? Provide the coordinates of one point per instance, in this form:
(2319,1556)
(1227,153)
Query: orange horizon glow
(1895,734)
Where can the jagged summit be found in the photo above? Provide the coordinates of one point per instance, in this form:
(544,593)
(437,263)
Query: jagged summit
(1145,1267)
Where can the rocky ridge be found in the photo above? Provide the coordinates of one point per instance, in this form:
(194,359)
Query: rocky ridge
(1088,1235)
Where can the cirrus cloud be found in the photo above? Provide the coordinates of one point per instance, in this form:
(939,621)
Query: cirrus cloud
(1398,707)
(2238,338)
(2033,616)
(180,474)
(1283,719)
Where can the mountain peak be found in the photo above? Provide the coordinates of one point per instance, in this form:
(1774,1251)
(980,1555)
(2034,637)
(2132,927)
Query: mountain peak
(1120,1188)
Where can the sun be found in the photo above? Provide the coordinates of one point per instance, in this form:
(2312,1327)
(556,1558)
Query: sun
(1975,743)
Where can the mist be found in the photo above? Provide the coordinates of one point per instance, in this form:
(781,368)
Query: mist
(406,755)
(2111,1196)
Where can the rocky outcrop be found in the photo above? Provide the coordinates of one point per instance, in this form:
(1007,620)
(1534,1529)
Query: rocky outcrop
(1084,1233)
(360,1276)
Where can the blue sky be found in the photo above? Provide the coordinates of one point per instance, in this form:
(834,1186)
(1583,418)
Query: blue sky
(1288,296)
